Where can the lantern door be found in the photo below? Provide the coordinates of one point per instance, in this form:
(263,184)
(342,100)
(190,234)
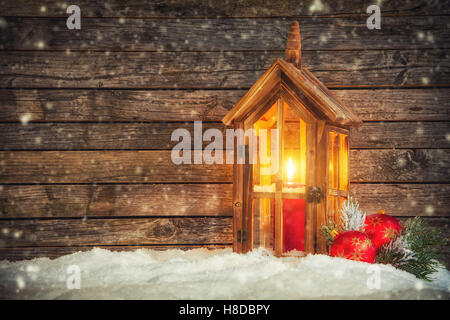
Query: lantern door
(277,214)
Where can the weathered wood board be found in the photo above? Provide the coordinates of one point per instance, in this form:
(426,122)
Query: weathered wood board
(151,200)
(95,136)
(401,135)
(147,231)
(133,34)
(118,200)
(367,165)
(427,200)
(104,167)
(224,8)
(402,165)
(225,69)
(207,105)
(157,136)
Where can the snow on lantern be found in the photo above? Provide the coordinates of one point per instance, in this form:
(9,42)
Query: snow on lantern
(300,176)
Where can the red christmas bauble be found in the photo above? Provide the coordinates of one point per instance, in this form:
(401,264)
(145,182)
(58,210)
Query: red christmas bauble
(381,228)
(353,245)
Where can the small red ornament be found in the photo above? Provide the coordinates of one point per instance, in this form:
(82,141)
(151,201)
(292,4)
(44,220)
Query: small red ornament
(381,228)
(353,245)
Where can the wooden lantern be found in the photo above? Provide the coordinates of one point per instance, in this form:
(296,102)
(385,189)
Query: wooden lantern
(283,209)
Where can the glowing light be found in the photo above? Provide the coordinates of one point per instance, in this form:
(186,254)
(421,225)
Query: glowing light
(290,170)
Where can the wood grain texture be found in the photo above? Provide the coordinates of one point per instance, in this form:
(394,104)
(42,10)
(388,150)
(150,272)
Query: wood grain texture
(195,70)
(401,32)
(26,253)
(147,231)
(429,200)
(157,136)
(115,200)
(104,166)
(117,105)
(397,104)
(92,136)
(401,135)
(206,105)
(39,201)
(415,165)
(224,8)
(378,165)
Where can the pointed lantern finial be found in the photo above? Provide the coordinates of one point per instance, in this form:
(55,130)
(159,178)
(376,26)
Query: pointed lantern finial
(293,52)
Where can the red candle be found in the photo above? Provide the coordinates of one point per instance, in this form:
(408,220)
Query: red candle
(293,224)
(293,221)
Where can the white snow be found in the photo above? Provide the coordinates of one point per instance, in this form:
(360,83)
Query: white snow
(211,274)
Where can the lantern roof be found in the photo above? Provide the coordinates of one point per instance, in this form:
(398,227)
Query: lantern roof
(289,74)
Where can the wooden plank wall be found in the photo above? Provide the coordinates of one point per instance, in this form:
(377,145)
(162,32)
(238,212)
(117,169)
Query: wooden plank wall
(86,115)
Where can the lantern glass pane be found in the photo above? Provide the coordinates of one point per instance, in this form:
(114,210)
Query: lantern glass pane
(333,165)
(294,151)
(333,209)
(263,174)
(294,179)
(343,162)
(263,214)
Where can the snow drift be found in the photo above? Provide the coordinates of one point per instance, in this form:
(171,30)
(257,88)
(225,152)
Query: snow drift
(211,274)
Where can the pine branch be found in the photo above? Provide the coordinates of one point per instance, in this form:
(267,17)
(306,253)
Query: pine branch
(416,249)
(327,230)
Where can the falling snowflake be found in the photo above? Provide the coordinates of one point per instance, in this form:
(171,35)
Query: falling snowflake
(25,118)
(317,5)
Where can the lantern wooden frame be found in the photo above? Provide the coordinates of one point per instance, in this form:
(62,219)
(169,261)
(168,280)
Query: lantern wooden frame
(286,82)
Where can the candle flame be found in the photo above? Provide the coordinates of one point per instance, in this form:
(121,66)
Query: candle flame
(290,170)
